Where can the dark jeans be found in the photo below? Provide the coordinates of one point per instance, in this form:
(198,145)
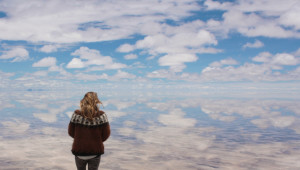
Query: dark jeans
(93,163)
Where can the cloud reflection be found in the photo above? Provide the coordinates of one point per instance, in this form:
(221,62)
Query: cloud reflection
(51,116)
(176,118)
(37,152)
(152,133)
(15,127)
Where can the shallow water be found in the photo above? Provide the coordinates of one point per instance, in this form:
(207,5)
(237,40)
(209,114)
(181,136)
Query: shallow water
(155,131)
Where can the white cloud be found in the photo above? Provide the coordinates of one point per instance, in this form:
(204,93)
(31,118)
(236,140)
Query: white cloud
(17,54)
(94,77)
(268,30)
(263,57)
(277,59)
(91,57)
(248,71)
(130,56)
(49,48)
(122,75)
(39,80)
(5,102)
(45,62)
(112,66)
(125,48)
(176,61)
(160,74)
(172,75)
(40,73)
(85,21)
(49,62)
(297,53)
(75,63)
(285,59)
(115,66)
(230,70)
(254,72)
(178,45)
(245,72)
(90,77)
(5,79)
(291,17)
(228,61)
(256,44)
(145,29)
(268,18)
(90,54)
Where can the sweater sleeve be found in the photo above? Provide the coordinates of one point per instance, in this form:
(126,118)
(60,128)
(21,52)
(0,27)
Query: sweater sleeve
(105,132)
(71,129)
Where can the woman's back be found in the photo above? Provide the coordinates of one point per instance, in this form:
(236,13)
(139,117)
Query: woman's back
(89,127)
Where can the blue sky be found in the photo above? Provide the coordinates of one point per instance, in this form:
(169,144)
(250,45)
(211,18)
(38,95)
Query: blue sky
(52,44)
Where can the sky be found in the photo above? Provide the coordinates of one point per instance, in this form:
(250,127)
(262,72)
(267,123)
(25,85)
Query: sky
(60,44)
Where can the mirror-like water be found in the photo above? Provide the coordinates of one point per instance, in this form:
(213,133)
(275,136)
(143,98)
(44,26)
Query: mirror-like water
(153,131)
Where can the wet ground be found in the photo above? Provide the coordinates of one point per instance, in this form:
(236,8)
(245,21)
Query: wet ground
(155,131)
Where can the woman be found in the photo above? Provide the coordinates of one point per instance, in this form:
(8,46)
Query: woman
(89,127)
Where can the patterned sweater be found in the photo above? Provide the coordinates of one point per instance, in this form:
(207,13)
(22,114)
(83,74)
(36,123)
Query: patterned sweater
(88,135)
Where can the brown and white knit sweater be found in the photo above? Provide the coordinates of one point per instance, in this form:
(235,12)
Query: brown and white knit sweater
(88,135)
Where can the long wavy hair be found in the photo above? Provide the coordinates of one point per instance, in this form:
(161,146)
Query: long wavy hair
(90,104)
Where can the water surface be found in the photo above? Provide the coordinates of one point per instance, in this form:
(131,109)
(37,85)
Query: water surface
(154,131)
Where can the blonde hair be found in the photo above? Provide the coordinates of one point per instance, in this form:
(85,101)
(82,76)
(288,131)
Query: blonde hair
(89,105)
